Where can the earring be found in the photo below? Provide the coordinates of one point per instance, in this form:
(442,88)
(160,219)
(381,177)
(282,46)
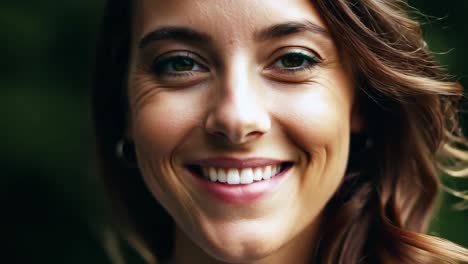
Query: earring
(125,152)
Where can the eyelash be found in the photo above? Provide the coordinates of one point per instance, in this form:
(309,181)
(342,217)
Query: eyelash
(161,66)
(311,61)
(164,67)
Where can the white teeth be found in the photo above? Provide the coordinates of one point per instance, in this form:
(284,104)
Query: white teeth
(246,176)
(240,176)
(213,175)
(222,177)
(258,174)
(267,173)
(278,169)
(233,176)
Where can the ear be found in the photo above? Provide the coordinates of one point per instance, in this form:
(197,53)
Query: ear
(358,124)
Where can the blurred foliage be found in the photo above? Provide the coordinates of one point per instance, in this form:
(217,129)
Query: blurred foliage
(49,190)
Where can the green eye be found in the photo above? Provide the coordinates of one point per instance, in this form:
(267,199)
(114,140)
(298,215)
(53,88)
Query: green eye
(296,61)
(176,65)
(181,64)
(292,61)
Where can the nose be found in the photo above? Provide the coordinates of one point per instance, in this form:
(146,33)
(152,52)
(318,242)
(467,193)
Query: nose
(237,113)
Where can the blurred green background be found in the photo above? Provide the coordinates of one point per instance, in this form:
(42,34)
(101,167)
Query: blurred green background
(51,206)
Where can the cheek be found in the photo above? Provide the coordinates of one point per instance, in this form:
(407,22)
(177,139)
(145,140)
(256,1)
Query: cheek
(161,123)
(318,118)
(318,122)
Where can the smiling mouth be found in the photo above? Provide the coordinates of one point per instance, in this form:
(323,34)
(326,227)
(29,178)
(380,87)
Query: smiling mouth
(236,176)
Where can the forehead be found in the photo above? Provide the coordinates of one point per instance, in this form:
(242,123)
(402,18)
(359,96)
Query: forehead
(227,20)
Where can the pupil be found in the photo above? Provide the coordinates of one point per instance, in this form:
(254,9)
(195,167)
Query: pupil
(292,61)
(182,64)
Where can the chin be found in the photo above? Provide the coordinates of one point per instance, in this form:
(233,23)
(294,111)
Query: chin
(239,243)
(241,252)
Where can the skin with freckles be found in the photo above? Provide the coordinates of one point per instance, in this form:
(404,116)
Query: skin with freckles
(239,79)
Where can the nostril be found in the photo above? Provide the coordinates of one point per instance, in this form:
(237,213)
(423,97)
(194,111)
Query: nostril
(235,128)
(254,134)
(221,135)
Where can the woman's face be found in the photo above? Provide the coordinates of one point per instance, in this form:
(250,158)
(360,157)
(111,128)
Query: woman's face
(241,113)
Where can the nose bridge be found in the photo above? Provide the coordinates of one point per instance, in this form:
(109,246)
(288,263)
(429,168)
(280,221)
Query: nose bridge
(238,112)
(238,94)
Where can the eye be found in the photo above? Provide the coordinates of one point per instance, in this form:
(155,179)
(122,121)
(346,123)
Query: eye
(177,65)
(293,65)
(295,61)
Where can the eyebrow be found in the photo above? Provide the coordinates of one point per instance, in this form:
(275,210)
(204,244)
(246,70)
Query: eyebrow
(289,28)
(186,34)
(183,34)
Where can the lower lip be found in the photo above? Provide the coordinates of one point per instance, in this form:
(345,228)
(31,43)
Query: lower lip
(241,193)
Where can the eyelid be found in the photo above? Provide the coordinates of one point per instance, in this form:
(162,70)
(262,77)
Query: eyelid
(305,52)
(279,53)
(300,50)
(181,53)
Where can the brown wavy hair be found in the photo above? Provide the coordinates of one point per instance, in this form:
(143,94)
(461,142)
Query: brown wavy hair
(384,204)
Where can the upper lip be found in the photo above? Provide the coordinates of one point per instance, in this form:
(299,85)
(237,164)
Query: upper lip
(229,162)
